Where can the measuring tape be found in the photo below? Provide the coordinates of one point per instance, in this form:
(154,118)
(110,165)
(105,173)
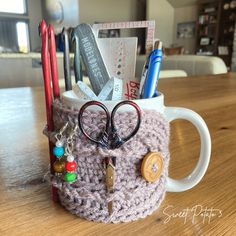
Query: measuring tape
(111,91)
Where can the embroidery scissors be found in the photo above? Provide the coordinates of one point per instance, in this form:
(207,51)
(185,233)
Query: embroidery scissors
(109,138)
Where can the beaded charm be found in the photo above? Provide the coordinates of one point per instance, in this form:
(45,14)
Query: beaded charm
(59,151)
(71,165)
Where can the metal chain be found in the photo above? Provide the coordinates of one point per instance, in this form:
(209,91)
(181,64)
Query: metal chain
(70,142)
(59,135)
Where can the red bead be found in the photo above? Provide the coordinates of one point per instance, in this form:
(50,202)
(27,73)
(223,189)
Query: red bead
(71,166)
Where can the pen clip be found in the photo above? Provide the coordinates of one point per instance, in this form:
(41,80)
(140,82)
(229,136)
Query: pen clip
(143,77)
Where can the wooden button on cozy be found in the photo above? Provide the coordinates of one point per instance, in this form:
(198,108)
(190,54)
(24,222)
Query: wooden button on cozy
(152,166)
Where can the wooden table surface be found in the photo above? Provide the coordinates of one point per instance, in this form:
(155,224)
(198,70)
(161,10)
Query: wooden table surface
(25,202)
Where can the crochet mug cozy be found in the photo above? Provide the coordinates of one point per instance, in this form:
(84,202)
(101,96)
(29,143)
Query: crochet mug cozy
(133,197)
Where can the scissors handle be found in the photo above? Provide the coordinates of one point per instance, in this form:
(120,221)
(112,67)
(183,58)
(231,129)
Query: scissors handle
(103,141)
(117,141)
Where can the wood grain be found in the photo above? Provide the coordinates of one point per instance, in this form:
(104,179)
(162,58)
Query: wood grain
(25,202)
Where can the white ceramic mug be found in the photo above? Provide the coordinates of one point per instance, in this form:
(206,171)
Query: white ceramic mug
(170,113)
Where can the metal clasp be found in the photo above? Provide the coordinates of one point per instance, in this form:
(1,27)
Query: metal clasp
(110,165)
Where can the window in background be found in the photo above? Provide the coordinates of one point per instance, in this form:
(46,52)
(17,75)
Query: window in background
(22,36)
(14,35)
(14,29)
(13,6)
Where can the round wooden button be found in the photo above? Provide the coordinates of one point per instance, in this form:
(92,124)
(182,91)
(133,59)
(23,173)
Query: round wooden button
(152,166)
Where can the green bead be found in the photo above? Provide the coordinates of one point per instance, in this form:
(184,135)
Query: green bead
(70,177)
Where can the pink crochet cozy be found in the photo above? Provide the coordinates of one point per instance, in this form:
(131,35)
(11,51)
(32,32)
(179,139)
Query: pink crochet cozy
(133,197)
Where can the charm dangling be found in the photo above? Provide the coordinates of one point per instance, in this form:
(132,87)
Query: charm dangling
(71,165)
(59,151)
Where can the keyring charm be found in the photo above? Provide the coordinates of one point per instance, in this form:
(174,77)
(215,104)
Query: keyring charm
(71,165)
(59,151)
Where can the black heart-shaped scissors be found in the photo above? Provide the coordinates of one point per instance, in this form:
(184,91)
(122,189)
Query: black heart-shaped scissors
(109,138)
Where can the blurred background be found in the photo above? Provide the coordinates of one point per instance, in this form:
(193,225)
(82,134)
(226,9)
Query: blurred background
(189,27)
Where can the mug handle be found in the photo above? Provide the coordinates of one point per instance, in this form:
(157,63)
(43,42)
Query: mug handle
(174,185)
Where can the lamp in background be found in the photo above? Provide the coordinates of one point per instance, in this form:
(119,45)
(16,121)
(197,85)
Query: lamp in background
(62,13)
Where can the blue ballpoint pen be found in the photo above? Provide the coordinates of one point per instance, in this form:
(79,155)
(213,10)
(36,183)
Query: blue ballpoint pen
(150,84)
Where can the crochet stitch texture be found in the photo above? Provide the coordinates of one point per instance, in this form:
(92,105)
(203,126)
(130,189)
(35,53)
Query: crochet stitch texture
(133,197)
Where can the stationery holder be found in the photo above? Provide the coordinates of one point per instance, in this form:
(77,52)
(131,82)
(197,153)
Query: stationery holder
(132,196)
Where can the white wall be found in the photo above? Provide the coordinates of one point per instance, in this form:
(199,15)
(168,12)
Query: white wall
(185,14)
(108,11)
(163,13)
(35,16)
